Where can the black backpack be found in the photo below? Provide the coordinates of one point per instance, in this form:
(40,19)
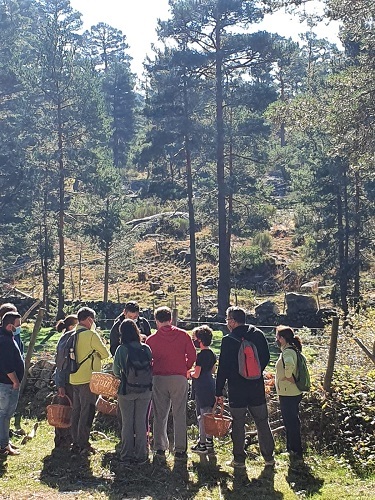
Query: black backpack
(66,358)
(138,376)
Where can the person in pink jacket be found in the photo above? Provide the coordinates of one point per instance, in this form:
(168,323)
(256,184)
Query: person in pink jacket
(173,355)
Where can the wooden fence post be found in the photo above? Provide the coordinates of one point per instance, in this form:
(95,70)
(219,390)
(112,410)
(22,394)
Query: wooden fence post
(30,349)
(332,354)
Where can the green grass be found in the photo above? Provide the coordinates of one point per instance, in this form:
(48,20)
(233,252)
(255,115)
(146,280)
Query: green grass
(39,473)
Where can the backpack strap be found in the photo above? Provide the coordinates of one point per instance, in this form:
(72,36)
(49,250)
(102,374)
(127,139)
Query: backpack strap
(235,338)
(282,359)
(89,355)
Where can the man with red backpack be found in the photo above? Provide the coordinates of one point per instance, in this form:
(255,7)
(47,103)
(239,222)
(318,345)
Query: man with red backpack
(245,394)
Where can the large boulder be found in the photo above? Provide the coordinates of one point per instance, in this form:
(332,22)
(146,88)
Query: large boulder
(297,303)
(266,309)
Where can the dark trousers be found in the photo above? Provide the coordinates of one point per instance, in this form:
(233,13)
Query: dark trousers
(265,438)
(289,406)
(63,437)
(83,414)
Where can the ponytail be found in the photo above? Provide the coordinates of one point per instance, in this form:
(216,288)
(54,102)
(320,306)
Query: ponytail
(288,334)
(60,326)
(296,341)
(65,324)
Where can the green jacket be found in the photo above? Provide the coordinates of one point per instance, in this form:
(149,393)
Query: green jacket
(284,387)
(88,342)
(119,362)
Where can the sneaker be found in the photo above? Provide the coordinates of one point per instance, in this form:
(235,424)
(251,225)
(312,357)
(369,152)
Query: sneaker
(237,465)
(270,463)
(210,445)
(181,455)
(12,451)
(199,448)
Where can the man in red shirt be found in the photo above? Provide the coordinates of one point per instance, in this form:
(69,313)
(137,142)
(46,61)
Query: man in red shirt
(173,355)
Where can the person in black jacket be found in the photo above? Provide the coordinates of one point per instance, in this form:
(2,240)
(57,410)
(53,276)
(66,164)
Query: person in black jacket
(12,370)
(131,311)
(244,395)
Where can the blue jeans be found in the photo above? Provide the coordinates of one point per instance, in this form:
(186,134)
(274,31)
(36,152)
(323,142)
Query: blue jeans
(8,405)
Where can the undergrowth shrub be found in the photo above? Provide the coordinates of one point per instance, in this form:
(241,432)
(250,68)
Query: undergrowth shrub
(343,422)
(263,240)
(247,258)
(177,228)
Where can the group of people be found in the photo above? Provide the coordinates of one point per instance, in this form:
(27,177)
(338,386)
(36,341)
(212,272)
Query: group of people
(169,358)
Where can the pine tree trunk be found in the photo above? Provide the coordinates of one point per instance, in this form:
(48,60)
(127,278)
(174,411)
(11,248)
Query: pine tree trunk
(224,259)
(106,273)
(61,237)
(193,250)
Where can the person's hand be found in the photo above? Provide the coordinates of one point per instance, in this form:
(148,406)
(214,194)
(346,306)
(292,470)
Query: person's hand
(16,386)
(61,392)
(188,374)
(219,400)
(143,338)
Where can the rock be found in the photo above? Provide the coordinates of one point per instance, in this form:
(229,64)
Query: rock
(297,303)
(266,309)
(154,286)
(310,287)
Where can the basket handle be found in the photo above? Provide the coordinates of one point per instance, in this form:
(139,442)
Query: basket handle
(219,407)
(62,397)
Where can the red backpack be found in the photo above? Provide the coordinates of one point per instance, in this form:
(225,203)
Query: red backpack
(248,359)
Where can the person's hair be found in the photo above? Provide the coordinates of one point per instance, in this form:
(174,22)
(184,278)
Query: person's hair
(7,307)
(288,334)
(163,314)
(237,313)
(65,324)
(84,313)
(204,334)
(129,332)
(131,307)
(9,318)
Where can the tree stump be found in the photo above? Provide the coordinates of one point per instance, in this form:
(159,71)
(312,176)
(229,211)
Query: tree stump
(142,276)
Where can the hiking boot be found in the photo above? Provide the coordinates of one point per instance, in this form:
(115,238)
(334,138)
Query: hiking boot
(181,456)
(199,448)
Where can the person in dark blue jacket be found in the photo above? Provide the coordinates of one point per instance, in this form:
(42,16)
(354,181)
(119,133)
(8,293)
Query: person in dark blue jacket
(9,307)
(244,395)
(12,370)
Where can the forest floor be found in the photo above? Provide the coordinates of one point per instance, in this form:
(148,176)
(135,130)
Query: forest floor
(39,473)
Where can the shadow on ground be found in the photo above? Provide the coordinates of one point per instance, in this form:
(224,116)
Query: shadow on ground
(301,479)
(66,472)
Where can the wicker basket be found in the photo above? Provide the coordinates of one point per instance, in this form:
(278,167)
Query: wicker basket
(104,384)
(216,423)
(59,415)
(106,407)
